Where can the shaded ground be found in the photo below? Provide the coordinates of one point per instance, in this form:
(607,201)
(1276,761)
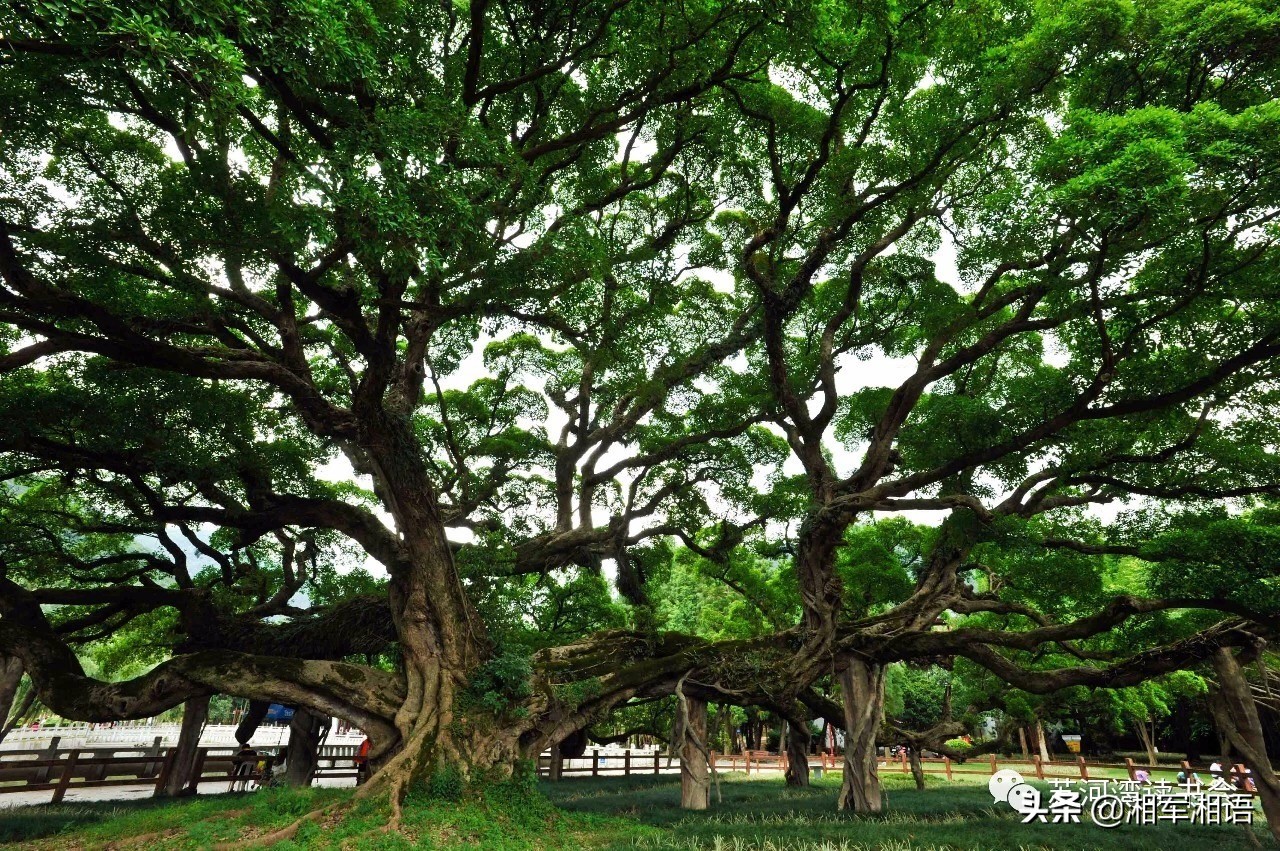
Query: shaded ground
(766,815)
(614,813)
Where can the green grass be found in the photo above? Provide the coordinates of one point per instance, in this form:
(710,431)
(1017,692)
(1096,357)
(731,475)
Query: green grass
(606,813)
(763,815)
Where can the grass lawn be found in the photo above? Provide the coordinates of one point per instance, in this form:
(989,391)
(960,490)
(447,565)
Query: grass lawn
(612,813)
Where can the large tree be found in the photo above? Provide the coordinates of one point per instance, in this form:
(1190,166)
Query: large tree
(512,297)
(1104,178)
(250,239)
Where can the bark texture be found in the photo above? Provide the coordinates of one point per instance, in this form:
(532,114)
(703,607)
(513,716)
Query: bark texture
(194,713)
(442,639)
(695,776)
(304,746)
(917,767)
(863,685)
(798,739)
(1236,714)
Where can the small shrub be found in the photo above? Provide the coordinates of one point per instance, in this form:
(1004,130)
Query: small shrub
(501,682)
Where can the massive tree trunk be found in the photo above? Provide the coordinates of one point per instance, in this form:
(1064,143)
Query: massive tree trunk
(442,638)
(183,762)
(862,683)
(798,738)
(1236,715)
(695,778)
(304,746)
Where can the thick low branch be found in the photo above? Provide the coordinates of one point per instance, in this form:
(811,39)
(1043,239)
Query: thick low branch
(364,696)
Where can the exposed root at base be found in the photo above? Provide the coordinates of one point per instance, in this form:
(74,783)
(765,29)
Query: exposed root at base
(397,810)
(287,832)
(391,780)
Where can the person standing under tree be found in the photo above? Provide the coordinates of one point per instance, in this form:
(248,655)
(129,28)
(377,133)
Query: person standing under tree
(362,761)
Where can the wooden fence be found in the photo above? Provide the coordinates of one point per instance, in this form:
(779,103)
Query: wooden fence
(62,770)
(764,761)
(628,763)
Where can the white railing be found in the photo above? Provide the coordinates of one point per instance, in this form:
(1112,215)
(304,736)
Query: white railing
(141,734)
(215,736)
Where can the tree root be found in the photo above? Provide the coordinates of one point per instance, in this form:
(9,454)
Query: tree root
(397,810)
(287,832)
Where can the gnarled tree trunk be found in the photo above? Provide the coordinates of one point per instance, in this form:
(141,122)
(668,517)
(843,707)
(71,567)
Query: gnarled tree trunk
(862,683)
(798,738)
(1236,715)
(304,746)
(917,767)
(442,639)
(695,777)
(194,713)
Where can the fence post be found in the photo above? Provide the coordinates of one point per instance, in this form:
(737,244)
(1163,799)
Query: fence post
(626,763)
(197,770)
(65,780)
(1084,768)
(656,758)
(747,754)
(1039,764)
(166,768)
(904,760)
(946,763)
(595,762)
(1128,765)
(993,763)
(157,749)
(50,752)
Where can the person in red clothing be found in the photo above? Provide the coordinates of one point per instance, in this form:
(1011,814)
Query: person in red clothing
(362,761)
